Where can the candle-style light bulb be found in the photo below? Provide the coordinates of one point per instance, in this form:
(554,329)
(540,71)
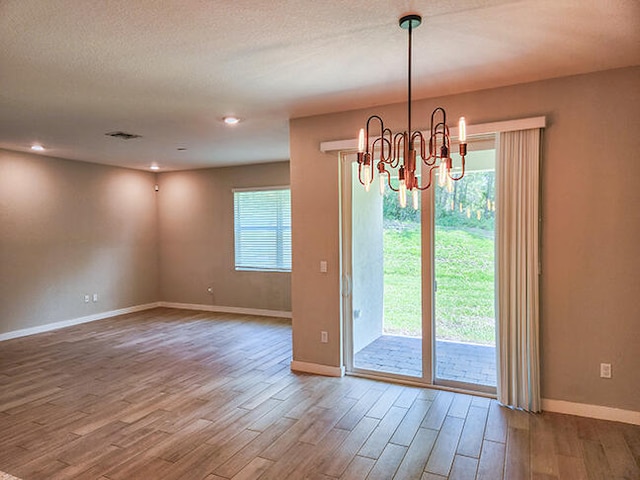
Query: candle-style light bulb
(382,183)
(414,198)
(442,172)
(449,184)
(361,141)
(402,193)
(462,131)
(366,173)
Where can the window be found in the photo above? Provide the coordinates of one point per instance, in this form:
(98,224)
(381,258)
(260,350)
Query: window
(262,219)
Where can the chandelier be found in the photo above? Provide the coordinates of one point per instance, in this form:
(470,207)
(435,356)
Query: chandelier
(399,151)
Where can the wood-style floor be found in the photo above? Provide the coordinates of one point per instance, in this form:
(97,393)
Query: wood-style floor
(169,394)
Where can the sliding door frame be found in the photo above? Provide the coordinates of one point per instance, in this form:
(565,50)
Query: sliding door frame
(346,159)
(428,278)
(346,257)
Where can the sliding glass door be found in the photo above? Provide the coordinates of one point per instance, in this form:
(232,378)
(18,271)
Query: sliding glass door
(464,275)
(419,301)
(386,293)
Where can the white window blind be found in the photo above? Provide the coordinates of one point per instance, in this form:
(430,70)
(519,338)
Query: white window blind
(262,220)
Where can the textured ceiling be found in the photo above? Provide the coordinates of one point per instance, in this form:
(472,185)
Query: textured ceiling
(169,70)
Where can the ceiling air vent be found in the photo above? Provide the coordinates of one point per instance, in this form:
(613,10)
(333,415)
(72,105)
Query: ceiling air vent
(123,135)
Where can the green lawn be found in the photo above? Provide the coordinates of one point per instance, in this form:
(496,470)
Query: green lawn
(465,275)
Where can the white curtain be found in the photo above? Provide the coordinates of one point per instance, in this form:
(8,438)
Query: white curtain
(517,306)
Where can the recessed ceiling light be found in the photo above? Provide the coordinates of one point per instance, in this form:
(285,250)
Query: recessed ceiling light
(154,167)
(231,120)
(37,148)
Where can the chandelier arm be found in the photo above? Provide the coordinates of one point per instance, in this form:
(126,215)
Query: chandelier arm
(379,142)
(430,177)
(391,187)
(398,146)
(447,136)
(433,116)
(373,147)
(432,123)
(432,147)
(382,129)
(439,143)
(440,129)
(425,158)
(415,135)
(461,174)
(360,174)
(386,136)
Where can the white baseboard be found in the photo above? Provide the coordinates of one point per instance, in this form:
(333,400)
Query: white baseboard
(222,309)
(592,411)
(317,369)
(75,321)
(138,308)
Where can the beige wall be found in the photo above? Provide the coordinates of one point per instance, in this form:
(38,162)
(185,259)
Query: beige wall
(196,239)
(590,285)
(68,229)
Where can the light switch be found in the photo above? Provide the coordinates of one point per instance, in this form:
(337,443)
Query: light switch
(323,266)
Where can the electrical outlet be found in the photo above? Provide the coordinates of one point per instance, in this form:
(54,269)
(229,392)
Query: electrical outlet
(86,299)
(323,266)
(324,337)
(95,297)
(605,370)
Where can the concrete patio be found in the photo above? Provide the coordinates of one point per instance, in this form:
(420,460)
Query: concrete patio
(461,362)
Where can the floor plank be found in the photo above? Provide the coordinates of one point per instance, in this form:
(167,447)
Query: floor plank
(473,432)
(388,462)
(438,411)
(417,454)
(491,465)
(380,437)
(336,463)
(358,469)
(411,423)
(464,468)
(517,459)
(444,450)
(253,469)
(496,429)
